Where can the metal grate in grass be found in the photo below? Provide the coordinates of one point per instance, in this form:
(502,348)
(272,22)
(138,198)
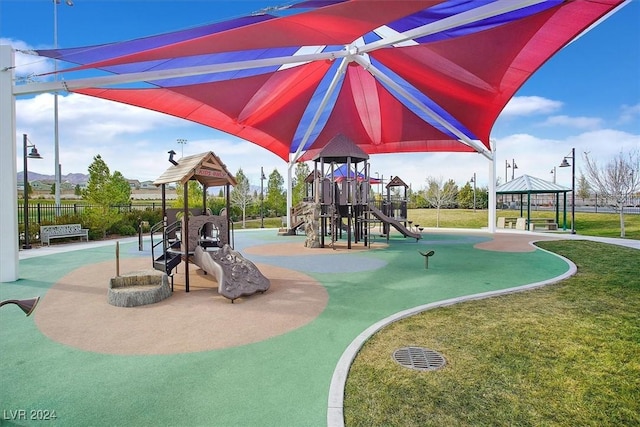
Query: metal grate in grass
(419,358)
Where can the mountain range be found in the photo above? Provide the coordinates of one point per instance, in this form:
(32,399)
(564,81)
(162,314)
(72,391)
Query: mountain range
(74,178)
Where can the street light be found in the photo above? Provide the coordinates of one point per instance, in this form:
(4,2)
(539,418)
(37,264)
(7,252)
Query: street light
(565,164)
(32,155)
(553,172)
(56,139)
(506,166)
(183,143)
(262,178)
(473,179)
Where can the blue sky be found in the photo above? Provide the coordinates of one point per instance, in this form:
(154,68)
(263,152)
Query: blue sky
(587,96)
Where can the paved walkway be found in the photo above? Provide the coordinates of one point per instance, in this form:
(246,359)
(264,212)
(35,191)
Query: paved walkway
(287,379)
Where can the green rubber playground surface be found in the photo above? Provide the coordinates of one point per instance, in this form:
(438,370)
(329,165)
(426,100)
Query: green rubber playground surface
(280,381)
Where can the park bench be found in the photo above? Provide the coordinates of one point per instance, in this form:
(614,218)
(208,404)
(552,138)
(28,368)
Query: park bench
(507,222)
(542,223)
(48,232)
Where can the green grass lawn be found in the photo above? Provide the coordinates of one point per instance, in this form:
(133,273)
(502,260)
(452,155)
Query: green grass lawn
(589,224)
(564,355)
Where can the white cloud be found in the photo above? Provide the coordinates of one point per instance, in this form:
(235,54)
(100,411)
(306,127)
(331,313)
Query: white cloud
(530,105)
(574,122)
(629,114)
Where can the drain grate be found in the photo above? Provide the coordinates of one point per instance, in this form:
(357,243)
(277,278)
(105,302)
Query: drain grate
(419,358)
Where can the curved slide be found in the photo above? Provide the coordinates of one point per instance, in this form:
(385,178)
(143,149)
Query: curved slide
(393,222)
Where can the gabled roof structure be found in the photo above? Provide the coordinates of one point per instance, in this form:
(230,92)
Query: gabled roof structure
(339,149)
(206,168)
(532,185)
(396,182)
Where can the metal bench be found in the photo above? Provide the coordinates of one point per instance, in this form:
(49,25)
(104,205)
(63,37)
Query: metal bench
(62,231)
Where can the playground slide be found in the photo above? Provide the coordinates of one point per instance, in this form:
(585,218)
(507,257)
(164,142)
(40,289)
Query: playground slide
(393,222)
(236,275)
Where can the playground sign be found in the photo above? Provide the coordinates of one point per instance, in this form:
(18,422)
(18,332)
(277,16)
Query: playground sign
(212,173)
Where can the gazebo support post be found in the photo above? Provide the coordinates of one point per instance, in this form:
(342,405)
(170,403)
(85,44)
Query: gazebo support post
(528,209)
(564,220)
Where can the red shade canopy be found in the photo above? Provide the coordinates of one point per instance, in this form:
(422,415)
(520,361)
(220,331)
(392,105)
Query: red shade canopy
(391,75)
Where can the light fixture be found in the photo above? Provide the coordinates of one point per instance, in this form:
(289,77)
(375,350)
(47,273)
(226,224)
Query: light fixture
(182,142)
(32,155)
(565,164)
(56,133)
(26,305)
(473,179)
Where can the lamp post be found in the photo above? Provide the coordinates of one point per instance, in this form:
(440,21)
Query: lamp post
(506,166)
(262,178)
(473,179)
(565,164)
(182,142)
(32,155)
(56,139)
(553,172)
(513,169)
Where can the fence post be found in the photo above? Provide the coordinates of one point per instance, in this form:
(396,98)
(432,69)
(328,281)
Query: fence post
(38,214)
(140,248)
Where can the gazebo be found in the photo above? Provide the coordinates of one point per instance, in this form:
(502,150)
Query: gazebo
(528,185)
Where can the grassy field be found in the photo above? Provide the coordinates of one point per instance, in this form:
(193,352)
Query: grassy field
(564,355)
(589,224)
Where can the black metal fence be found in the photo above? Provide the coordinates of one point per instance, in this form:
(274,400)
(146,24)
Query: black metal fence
(46,212)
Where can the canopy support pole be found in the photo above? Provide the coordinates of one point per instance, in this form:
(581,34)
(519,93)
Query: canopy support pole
(289,193)
(492,190)
(8,170)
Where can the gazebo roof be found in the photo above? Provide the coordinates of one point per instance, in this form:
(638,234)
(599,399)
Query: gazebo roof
(206,168)
(527,184)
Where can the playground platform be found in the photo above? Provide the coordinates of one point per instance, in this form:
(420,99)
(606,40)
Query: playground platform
(196,359)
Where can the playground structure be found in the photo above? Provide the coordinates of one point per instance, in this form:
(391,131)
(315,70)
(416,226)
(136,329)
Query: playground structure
(195,235)
(340,199)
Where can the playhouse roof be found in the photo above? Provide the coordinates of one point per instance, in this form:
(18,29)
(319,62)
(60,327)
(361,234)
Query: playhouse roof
(206,168)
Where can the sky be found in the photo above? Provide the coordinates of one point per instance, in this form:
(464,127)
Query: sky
(586,97)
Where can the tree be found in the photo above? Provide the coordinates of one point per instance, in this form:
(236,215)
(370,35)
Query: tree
(465,197)
(482,197)
(241,195)
(440,194)
(105,190)
(194,195)
(300,187)
(618,180)
(77,191)
(53,188)
(276,199)
(584,189)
